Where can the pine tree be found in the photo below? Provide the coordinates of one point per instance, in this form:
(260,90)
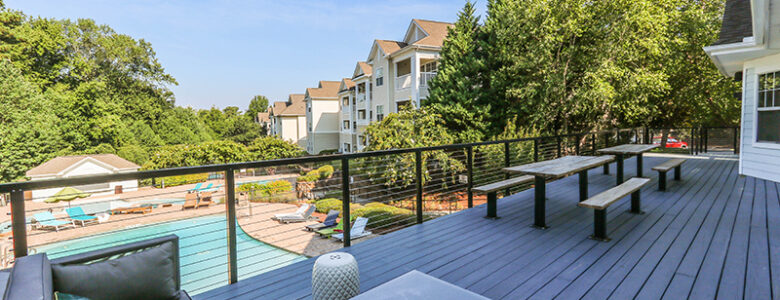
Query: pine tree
(454,90)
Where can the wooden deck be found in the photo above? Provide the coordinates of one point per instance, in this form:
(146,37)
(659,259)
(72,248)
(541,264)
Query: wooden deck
(712,235)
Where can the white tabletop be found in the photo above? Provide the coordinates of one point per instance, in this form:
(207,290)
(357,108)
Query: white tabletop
(628,149)
(418,285)
(563,166)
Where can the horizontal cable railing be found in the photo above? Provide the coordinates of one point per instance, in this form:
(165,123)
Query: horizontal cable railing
(228,215)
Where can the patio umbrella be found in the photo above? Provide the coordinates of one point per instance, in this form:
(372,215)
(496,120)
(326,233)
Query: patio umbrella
(67,194)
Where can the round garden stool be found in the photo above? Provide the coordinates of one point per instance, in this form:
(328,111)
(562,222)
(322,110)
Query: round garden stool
(335,276)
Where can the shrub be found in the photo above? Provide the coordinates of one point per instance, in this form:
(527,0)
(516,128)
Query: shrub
(383,216)
(183,179)
(325,171)
(312,175)
(267,189)
(278,186)
(326,205)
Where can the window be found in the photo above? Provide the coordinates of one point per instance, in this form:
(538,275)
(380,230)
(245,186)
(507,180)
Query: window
(346,125)
(768,103)
(345,101)
(380,79)
(429,67)
(346,147)
(380,113)
(362,114)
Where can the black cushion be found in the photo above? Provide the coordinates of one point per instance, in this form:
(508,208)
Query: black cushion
(30,279)
(145,275)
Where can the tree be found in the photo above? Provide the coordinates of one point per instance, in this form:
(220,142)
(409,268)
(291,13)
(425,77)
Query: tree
(455,89)
(269,147)
(258,104)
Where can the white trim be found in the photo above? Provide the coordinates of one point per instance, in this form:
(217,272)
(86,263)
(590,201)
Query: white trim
(755,142)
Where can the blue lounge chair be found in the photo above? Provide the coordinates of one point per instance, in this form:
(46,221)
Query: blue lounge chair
(47,220)
(358,230)
(210,189)
(78,215)
(205,188)
(196,188)
(330,221)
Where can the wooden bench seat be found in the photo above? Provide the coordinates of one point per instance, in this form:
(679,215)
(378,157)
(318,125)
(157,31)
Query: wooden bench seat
(604,199)
(675,163)
(492,191)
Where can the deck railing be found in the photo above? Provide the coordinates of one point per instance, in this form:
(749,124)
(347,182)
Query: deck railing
(394,189)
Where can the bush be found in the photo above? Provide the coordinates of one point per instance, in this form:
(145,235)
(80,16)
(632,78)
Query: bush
(311,176)
(326,205)
(183,179)
(383,216)
(325,171)
(267,189)
(278,186)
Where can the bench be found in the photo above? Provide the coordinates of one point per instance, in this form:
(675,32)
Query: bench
(603,200)
(675,163)
(492,189)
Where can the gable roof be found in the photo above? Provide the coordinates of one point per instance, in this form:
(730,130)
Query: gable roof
(294,106)
(436,31)
(326,89)
(263,117)
(737,22)
(388,47)
(346,84)
(62,163)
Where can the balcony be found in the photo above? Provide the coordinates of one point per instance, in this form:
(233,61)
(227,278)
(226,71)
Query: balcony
(426,77)
(403,82)
(712,234)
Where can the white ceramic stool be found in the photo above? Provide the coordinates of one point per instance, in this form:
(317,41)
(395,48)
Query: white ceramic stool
(335,276)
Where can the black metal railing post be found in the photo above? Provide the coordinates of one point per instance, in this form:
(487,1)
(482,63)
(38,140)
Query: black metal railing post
(418,171)
(18,223)
(230,208)
(507,162)
(345,202)
(646,136)
(593,143)
(470,170)
(706,139)
(736,138)
(577,145)
(693,145)
(558,140)
(536,150)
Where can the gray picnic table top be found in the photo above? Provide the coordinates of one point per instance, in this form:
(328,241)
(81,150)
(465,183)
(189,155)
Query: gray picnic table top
(561,167)
(630,149)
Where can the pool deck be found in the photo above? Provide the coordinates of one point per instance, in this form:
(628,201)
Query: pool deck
(714,234)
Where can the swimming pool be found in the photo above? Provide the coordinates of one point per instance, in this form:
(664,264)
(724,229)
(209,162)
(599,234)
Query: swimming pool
(202,248)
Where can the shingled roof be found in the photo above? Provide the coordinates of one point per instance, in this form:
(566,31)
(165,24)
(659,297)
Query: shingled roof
(737,22)
(62,163)
(326,89)
(437,32)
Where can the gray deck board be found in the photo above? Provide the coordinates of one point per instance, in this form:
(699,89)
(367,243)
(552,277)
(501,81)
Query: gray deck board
(713,234)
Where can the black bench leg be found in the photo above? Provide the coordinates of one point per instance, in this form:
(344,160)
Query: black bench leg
(491,205)
(661,181)
(619,167)
(539,202)
(583,185)
(677,172)
(600,225)
(606,169)
(636,205)
(639,165)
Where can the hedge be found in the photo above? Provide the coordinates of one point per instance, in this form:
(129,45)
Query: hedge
(311,176)
(183,179)
(325,171)
(383,216)
(267,189)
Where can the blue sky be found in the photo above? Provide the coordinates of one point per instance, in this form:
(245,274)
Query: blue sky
(224,52)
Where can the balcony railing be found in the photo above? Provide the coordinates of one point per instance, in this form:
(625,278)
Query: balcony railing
(403,82)
(227,233)
(425,77)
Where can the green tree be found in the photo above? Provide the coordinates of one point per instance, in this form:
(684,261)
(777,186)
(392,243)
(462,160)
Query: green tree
(269,147)
(258,104)
(455,89)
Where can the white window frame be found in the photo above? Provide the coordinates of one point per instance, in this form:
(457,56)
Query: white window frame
(757,91)
(380,77)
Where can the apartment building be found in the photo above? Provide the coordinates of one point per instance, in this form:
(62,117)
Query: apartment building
(287,120)
(395,74)
(322,117)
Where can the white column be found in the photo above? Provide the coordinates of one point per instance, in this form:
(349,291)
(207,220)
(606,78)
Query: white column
(415,92)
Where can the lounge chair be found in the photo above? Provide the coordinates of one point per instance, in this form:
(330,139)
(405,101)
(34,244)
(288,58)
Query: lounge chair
(358,230)
(78,215)
(300,211)
(205,199)
(210,189)
(327,232)
(190,201)
(47,220)
(196,188)
(143,209)
(205,188)
(330,221)
(305,216)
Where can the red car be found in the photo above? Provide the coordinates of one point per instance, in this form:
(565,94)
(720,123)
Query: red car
(671,142)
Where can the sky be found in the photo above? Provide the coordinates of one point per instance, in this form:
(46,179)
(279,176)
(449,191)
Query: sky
(224,52)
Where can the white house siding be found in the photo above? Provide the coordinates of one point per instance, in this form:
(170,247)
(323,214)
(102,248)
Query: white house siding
(759,160)
(324,117)
(85,168)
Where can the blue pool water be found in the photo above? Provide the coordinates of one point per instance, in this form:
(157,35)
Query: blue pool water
(202,248)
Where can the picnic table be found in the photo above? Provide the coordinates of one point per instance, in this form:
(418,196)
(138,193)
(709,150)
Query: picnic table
(621,151)
(556,168)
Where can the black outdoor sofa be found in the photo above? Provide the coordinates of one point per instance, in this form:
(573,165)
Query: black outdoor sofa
(141,270)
